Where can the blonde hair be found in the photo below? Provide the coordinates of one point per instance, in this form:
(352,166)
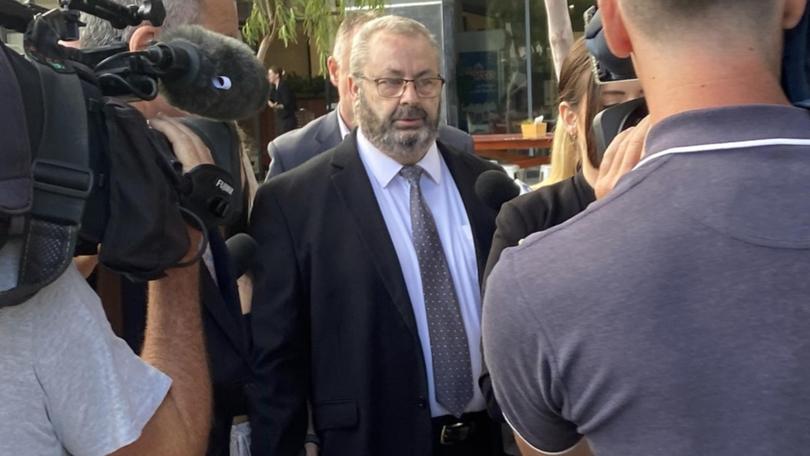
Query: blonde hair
(564,158)
(577,87)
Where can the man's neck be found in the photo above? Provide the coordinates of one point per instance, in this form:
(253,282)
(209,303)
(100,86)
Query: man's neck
(706,83)
(346,114)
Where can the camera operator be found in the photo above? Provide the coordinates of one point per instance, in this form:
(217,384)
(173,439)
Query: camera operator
(225,331)
(672,315)
(67,384)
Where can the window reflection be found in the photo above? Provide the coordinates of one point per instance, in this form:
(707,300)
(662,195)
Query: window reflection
(497,66)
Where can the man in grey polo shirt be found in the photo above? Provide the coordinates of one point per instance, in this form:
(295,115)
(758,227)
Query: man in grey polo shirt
(671,317)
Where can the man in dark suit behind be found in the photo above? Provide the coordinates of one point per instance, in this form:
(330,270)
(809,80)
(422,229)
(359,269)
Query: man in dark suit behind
(367,302)
(296,147)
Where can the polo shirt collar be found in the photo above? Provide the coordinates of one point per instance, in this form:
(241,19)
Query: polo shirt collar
(385,168)
(728,125)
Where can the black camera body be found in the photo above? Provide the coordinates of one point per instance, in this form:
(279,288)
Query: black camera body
(96,173)
(609,122)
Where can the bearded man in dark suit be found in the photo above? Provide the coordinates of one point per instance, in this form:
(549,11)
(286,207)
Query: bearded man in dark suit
(367,302)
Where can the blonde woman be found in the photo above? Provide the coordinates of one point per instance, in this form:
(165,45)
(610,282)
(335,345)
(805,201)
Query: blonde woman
(575,164)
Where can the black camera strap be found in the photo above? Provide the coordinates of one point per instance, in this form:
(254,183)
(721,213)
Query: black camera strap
(62,182)
(16,186)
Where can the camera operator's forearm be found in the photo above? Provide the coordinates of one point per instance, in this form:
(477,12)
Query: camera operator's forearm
(174,344)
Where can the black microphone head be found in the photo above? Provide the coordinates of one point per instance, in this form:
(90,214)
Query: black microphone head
(242,250)
(229,82)
(494,187)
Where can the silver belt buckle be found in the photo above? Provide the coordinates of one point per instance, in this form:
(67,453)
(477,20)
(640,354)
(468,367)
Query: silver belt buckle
(454,433)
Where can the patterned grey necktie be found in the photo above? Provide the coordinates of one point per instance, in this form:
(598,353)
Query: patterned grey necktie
(452,373)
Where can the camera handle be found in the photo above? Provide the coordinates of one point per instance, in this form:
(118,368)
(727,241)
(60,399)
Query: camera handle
(120,16)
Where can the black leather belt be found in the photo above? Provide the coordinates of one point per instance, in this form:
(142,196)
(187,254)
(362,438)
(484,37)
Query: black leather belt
(450,430)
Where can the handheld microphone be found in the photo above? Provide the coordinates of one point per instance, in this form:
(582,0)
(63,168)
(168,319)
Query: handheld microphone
(494,187)
(209,74)
(242,251)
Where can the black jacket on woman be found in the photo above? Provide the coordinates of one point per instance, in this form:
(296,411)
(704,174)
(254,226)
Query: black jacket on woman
(285,117)
(536,211)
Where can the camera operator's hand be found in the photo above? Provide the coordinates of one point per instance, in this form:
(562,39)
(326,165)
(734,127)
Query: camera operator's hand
(190,151)
(623,153)
(188,147)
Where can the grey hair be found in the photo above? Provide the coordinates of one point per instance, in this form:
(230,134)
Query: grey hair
(396,25)
(99,32)
(348,27)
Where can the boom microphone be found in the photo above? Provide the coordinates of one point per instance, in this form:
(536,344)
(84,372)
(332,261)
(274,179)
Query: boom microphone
(494,187)
(209,74)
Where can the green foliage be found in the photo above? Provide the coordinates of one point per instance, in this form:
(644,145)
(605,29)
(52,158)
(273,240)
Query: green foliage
(305,87)
(317,19)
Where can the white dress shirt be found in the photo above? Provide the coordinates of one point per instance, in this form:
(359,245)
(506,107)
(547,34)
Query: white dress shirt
(442,197)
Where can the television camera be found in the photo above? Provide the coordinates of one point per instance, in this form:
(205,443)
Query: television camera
(90,170)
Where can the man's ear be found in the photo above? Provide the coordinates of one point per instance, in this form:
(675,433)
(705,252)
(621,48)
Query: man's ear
(569,117)
(142,36)
(792,15)
(615,28)
(333,67)
(354,87)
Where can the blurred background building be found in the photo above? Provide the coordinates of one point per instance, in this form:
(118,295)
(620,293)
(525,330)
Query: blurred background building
(496,60)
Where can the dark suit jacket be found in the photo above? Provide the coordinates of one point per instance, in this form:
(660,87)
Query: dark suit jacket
(332,320)
(537,211)
(298,146)
(227,343)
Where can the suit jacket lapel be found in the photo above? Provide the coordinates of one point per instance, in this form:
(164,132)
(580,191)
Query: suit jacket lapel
(352,185)
(465,177)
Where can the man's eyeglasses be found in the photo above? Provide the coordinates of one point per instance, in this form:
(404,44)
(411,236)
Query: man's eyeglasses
(395,87)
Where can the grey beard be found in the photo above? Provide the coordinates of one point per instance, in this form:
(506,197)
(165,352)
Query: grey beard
(404,146)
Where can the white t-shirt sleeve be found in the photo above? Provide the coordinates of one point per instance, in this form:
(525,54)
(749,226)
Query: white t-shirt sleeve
(99,394)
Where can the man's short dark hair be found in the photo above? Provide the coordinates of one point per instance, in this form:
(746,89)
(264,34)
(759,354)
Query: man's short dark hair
(660,18)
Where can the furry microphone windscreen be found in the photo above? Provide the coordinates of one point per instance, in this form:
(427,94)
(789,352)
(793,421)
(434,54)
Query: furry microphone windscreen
(228,83)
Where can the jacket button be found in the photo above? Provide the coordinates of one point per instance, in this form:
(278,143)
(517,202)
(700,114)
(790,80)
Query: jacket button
(421,403)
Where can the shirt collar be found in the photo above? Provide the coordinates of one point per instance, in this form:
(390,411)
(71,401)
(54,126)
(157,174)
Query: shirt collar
(385,168)
(727,125)
(344,129)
